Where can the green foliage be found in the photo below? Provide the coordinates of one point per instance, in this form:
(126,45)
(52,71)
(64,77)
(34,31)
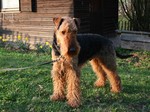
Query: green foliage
(17,45)
(23,45)
(2,43)
(137,13)
(43,48)
(29,90)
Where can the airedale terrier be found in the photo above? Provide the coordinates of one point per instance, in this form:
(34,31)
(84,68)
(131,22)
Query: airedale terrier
(76,49)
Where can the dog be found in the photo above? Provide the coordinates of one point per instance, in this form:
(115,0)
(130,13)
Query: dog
(75,50)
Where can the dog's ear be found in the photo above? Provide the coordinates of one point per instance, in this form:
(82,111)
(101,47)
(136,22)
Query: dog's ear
(58,21)
(77,22)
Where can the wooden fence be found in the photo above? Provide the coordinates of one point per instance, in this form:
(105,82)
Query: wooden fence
(125,25)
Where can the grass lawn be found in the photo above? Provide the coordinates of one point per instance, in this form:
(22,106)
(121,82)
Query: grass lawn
(29,90)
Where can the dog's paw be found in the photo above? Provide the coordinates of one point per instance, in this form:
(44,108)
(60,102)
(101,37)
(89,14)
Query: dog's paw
(57,97)
(116,89)
(73,103)
(99,83)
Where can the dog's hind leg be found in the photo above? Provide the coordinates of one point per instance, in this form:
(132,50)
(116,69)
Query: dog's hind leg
(101,76)
(108,64)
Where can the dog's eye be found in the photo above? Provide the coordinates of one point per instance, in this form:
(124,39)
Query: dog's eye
(63,32)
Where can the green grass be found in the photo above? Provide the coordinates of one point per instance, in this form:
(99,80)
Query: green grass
(29,90)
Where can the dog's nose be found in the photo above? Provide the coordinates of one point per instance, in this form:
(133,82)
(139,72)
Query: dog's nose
(72,49)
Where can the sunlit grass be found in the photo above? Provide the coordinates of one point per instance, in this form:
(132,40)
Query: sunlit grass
(29,90)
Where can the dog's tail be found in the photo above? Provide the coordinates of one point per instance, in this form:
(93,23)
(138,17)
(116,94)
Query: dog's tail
(123,56)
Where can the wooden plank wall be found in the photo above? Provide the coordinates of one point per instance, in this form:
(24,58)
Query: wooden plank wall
(36,24)
(81,10)
(110,16)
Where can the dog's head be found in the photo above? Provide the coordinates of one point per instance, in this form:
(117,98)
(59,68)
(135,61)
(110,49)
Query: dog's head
(65,32)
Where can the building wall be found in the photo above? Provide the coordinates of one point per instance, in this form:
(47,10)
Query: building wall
(97,16)
(81,10)
(110,16)
(35,17)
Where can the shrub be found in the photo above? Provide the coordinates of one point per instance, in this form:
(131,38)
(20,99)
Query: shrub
(43,48)
(18,44)
(22,44)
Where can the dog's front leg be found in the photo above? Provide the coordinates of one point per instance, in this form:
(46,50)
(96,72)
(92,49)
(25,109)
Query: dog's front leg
(73,85)
(58,82)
